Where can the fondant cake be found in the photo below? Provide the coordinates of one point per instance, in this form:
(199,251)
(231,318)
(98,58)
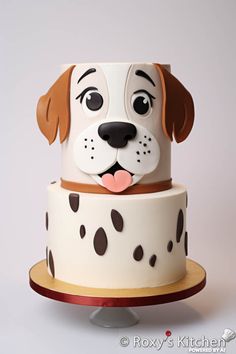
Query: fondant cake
(115,219)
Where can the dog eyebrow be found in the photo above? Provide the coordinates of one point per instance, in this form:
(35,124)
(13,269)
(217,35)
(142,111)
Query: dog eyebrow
(145,76)
(89,71)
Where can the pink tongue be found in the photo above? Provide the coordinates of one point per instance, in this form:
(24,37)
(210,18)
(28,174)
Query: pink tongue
(117,183)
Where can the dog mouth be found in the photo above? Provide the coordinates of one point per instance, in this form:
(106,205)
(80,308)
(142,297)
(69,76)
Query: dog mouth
(113,169)
(116,178)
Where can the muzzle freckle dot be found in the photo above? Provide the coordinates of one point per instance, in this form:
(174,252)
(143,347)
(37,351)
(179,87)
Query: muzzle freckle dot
(91,140)
(145,136)
(140,142)
(144,152)
(85,139)
(92,157)
(144,144)
(85,146)
(149,151)
(92,148)
(149,139)
(138,160)
(137,152)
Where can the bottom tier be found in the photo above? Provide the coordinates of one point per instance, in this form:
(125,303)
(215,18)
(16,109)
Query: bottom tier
(122,241)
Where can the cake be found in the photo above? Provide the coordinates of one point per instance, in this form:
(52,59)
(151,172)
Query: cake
(115,219)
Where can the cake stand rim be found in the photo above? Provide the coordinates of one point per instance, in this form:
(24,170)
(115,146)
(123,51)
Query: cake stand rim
(121,301)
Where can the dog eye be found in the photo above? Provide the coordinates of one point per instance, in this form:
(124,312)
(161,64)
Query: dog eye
(142,102)
(91,100)
(94,101)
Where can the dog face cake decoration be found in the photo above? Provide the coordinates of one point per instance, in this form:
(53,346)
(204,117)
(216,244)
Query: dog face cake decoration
(116,122)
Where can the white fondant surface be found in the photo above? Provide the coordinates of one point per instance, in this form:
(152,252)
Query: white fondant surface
(150,220)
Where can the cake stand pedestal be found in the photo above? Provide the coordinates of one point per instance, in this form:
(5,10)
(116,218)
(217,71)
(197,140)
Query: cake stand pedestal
(114,317)
(113,302)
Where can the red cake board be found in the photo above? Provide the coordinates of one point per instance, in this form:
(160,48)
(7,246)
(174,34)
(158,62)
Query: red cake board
(41,282)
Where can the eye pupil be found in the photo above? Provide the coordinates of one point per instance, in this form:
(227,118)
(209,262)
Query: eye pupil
(94,101)
(141,105)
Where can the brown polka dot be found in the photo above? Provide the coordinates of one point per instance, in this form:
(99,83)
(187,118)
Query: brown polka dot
(138,253)
(74,201)
(169,246)
(117,220)
(180,225)
(51,264)
(100,242)
(186,243)
(152,260)
(46,220)
(82,231)
(47,256)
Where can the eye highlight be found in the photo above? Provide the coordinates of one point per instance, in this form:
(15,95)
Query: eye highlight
(91,100)
(142,102)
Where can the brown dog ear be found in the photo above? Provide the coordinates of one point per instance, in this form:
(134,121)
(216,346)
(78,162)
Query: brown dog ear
(178,107)
(53,109)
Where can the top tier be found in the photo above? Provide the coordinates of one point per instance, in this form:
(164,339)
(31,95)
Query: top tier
(116,122)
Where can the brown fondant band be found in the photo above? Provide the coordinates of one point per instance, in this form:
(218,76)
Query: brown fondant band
(135,189)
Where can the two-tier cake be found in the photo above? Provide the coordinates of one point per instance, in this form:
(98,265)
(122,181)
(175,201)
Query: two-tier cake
(115,219)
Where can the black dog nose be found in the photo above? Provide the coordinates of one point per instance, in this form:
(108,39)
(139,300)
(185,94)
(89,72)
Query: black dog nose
(117,134)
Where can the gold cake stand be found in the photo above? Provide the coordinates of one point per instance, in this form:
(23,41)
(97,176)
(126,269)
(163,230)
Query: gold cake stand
(118,299)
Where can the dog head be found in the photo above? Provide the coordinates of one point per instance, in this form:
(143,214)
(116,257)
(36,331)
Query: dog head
(116,122)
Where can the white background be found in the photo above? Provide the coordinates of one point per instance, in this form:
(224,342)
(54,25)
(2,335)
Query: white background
(198,39)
